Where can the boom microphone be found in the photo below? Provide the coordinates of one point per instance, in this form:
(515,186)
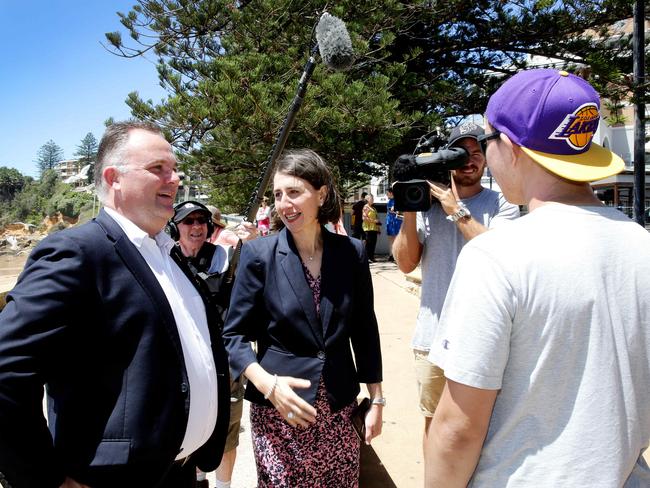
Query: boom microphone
(405,168)
(334,42)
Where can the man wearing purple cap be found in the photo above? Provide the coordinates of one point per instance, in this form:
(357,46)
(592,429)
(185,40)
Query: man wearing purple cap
(434,239)
(548,367)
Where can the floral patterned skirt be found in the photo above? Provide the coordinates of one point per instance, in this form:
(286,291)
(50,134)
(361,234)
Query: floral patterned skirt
(324,455)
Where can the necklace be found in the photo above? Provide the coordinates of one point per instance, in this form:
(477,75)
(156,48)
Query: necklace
(315,249)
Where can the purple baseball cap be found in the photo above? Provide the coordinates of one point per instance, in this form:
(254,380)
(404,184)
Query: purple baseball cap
(553,116)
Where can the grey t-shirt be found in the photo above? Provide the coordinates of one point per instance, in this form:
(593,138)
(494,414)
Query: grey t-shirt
(442,243)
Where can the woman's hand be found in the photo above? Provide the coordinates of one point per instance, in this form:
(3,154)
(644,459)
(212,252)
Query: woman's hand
(294,409)
(373,422)
(279,391)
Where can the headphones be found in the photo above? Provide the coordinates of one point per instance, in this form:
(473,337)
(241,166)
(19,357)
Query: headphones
(172,227)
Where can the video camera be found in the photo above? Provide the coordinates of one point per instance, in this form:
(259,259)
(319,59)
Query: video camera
(412,171)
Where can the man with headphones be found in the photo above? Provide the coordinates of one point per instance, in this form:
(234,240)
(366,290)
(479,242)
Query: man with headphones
(191,227)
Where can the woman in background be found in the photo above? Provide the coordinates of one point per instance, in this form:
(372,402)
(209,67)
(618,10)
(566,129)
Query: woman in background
(263,217)
(371,227)
(305,295)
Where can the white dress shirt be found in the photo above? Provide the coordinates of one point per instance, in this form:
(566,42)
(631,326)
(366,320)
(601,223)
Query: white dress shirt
(189,314)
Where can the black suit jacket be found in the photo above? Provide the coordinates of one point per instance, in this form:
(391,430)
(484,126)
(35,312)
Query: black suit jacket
(89,320)
(272,304)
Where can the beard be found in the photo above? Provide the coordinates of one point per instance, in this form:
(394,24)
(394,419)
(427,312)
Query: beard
(471,179)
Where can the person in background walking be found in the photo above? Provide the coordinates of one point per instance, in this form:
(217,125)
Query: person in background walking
(305,296)
(393,222)
(263,217)
(224,236)
(370,227)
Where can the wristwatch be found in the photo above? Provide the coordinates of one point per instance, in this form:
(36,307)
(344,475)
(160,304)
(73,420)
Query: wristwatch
(379,401)
(462,213)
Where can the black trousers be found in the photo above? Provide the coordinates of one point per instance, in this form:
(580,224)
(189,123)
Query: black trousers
(180,476)
(358,233)
(371,243)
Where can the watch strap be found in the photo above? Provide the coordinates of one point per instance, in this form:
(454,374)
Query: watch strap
(463,212)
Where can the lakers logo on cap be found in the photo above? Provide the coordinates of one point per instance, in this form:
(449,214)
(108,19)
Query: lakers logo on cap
(578,128)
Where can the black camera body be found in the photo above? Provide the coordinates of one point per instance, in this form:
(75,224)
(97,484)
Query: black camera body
(412,173)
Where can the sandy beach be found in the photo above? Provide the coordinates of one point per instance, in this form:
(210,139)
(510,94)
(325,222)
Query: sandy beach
(12,265)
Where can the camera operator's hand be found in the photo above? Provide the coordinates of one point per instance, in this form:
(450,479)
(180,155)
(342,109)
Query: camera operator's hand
(445,196)
(469,227)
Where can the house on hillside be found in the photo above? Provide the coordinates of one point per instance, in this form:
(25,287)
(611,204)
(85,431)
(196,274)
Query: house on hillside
(67,167)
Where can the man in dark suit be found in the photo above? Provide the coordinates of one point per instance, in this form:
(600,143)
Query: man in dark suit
(111,321)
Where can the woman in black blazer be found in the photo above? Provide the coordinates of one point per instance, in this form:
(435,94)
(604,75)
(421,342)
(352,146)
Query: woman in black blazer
(304,295)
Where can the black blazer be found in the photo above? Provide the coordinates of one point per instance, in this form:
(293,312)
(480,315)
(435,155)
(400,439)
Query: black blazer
(272,304)
(89,320)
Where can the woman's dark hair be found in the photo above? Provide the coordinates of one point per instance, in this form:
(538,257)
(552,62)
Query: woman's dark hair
(306,164)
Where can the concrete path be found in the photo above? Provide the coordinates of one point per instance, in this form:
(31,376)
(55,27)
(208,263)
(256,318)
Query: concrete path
(244,474)
(400,446)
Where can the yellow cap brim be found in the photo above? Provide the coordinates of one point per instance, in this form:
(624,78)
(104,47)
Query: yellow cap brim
(595,164)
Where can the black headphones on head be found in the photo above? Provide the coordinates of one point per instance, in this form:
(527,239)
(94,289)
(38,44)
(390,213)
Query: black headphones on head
(172,227)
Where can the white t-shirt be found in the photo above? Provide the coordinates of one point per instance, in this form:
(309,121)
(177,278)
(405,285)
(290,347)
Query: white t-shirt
(442,242)
(554,311)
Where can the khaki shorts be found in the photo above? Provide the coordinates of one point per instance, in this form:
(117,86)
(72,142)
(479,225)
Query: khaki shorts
(236,408)
(431,381)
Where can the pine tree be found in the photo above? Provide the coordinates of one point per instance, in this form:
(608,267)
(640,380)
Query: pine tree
(48,156)
(87,153)
(231,68)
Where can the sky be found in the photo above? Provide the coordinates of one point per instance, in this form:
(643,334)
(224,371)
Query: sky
(57,81)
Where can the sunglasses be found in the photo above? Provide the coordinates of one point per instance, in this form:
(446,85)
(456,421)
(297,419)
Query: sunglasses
(483,139)
(198,220)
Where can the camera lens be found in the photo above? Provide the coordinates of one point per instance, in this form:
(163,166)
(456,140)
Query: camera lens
(414,195)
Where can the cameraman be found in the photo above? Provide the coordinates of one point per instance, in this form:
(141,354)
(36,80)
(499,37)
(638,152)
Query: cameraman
(434,239)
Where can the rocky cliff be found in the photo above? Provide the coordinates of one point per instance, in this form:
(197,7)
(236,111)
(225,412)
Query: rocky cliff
(19,238)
